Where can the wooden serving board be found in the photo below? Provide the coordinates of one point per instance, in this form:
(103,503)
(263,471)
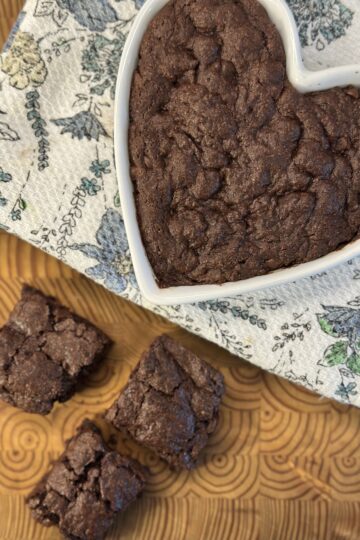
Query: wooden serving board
(284,464)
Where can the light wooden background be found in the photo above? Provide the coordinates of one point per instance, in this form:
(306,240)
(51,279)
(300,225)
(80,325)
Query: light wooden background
(283,465)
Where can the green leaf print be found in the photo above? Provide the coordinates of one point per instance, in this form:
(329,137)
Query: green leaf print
(335,354)
(326,326)
(22,204)
(38,126)
(354,363)
(117,200)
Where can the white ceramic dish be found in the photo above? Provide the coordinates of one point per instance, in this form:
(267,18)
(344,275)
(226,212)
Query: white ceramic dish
(299,76)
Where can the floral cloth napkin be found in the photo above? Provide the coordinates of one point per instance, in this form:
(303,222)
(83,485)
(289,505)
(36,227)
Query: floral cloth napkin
(58,186)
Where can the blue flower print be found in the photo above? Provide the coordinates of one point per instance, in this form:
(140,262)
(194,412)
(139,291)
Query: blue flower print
(98,168)
(4,176)
(93,14)
(83,124)
(16,215)
(320,21)
(114,266)
(345,391)
(90,186)
(100,63)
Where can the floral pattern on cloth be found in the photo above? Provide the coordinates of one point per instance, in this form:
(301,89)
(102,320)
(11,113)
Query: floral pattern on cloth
(113,268)
(320,22)
(57,86)
(24,63)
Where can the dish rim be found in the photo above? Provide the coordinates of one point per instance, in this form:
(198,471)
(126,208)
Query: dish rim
(301,78)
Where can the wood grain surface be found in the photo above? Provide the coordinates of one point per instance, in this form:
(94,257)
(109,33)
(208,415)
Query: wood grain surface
(284,464)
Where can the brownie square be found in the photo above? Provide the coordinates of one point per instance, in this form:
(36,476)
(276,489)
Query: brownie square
(171,403)
(44,350)
(87,487)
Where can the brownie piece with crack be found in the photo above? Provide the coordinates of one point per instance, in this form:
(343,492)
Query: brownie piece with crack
(171,403)
(44,350)
(87,487)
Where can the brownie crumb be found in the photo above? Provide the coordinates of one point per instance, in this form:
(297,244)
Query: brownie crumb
(171,403)
(87,487)
(236,174)
(44,350)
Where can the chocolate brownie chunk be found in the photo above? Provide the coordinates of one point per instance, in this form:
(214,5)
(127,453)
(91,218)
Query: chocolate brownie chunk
(87,487)
(44,350)
(236,173)
(171,403)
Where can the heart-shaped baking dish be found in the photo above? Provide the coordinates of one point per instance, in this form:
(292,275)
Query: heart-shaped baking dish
(302,79)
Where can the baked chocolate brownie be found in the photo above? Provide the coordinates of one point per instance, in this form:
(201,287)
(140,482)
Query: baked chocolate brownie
(44,350)
(236,173)
(171,403)
(87,487)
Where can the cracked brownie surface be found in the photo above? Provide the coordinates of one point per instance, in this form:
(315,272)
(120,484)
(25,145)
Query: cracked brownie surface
(86,487)
(44,350)
(171,403)
(236,174)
